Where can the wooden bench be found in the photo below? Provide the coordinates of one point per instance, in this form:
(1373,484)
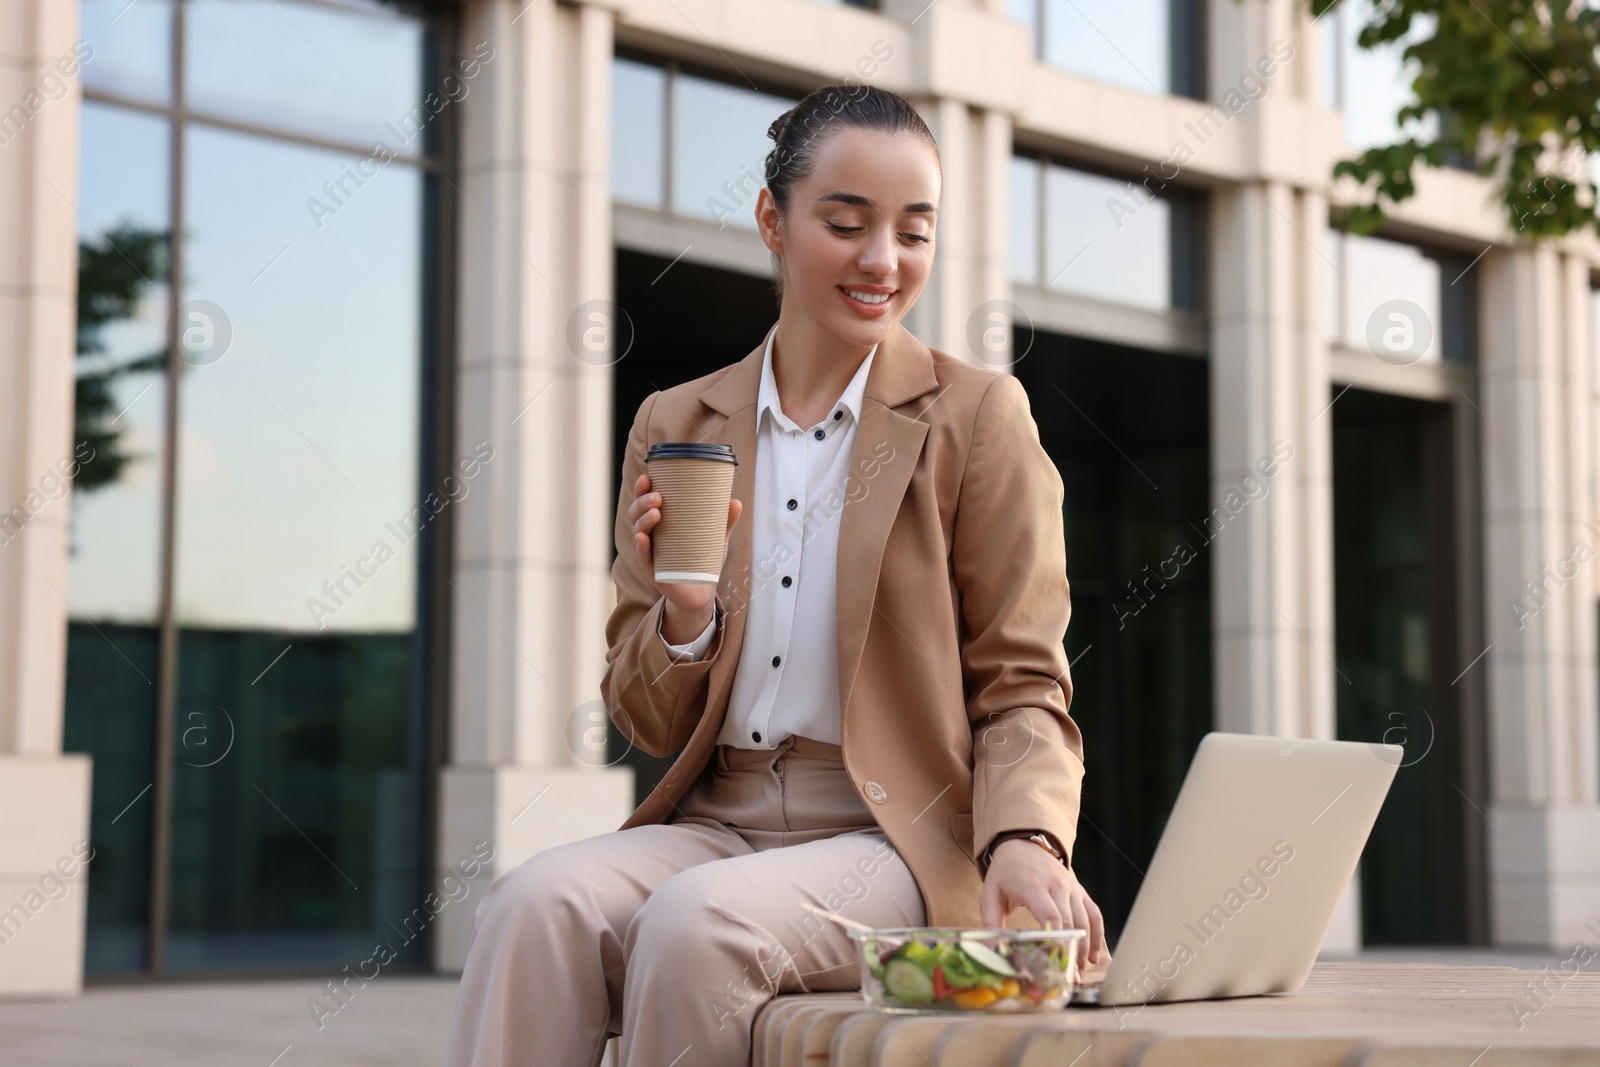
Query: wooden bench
(1347,1015)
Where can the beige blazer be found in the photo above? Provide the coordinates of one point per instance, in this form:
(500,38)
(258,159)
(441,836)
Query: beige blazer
(953,694)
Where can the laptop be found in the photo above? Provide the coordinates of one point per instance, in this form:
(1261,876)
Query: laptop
(1261,843)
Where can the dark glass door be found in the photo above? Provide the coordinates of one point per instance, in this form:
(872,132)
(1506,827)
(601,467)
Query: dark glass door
(1395,631)
(1128,430)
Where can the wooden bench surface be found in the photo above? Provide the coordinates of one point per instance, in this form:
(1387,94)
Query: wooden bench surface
(1347,1014)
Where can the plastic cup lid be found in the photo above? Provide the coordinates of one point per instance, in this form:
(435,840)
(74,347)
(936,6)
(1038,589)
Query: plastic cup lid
(691,450)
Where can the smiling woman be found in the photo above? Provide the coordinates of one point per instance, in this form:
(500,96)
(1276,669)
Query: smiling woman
(905,524)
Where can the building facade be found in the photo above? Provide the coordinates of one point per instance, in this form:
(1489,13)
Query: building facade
(324,322)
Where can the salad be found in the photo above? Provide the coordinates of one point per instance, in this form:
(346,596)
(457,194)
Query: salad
(953,971)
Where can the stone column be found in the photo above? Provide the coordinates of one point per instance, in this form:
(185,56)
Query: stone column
(966,74)
(1540,543)
(44,794)
(1272,551)
(531,583)
(1272,547)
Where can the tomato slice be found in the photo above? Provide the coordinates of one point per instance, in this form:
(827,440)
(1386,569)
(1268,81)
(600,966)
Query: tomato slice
(941,989)
(1035,993)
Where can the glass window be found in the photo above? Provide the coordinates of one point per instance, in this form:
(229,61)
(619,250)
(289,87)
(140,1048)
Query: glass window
(1154,46)
(719,148)
(299,455)
(1107,238)
(299,508)
(1024,206)
(114,566)
(302,439)
(638,132)
(132,48)
(1594,339)
(1377,272)
(1374,85)
(354,75)
(1373,273)
(1127,43)
(121,409)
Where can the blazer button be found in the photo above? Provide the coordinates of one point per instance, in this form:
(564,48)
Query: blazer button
(876,793)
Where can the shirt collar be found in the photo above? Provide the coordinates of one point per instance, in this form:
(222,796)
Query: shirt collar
(767,397)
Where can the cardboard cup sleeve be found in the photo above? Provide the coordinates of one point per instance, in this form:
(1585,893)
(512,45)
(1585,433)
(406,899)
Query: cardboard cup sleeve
(695,480)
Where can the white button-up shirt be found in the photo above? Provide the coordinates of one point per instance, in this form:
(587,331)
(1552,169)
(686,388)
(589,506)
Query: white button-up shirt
(787,678)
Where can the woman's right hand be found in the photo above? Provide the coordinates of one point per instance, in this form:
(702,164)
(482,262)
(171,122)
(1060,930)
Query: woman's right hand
(689,607)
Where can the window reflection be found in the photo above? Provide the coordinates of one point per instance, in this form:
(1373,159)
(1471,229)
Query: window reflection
(301,441)
(719,149)
(113,576)
(121,389)
(638,132)
(1153,46)
(1107,239)
(298,459)
(1372,86)
(1368,274)
(1024,205)
(1127,43)
(132,48)
(1594,339)
(296,735)
(312,68)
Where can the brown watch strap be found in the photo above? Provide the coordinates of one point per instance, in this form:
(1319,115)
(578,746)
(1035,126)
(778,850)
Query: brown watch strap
(1007,835)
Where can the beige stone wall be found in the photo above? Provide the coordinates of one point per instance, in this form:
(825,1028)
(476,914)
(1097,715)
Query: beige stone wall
(44,796)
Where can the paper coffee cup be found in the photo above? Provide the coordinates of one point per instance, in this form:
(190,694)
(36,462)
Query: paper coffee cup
(695,480)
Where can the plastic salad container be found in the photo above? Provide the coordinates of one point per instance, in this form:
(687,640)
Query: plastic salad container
(983,969)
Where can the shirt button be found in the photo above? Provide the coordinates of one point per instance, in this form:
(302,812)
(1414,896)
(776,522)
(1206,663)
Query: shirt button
(793,503)
(876,793)
(819,435)
(776,660)
(787,581)
(756,734)
(838,415)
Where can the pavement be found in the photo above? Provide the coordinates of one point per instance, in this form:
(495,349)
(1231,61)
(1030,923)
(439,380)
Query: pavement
(392,1021)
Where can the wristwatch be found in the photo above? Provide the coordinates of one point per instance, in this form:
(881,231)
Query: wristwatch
(1038,837)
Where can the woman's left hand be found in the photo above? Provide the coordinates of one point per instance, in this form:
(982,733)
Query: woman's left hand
(1023,874)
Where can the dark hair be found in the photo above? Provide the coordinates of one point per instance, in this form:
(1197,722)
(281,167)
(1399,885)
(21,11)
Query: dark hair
(799,132)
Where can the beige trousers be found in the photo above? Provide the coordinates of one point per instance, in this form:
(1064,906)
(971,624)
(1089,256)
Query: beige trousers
(675,934)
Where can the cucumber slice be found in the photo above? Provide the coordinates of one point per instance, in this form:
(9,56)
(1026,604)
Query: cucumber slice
(869,952)
(988,957)
(906,981)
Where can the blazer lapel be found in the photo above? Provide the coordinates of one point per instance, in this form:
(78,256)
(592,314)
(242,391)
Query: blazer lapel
(887,445)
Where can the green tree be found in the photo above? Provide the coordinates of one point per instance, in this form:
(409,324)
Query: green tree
(112,280)
(1514,86)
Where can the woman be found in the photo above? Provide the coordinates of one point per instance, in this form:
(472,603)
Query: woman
(871,705)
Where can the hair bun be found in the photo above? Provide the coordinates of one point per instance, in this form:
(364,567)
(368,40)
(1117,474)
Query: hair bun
(775,131)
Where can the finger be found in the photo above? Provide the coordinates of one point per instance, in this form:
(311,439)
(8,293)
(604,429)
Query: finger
(1079,913)
(1061,896)
(1097,931)
(642,503)
(991,909)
